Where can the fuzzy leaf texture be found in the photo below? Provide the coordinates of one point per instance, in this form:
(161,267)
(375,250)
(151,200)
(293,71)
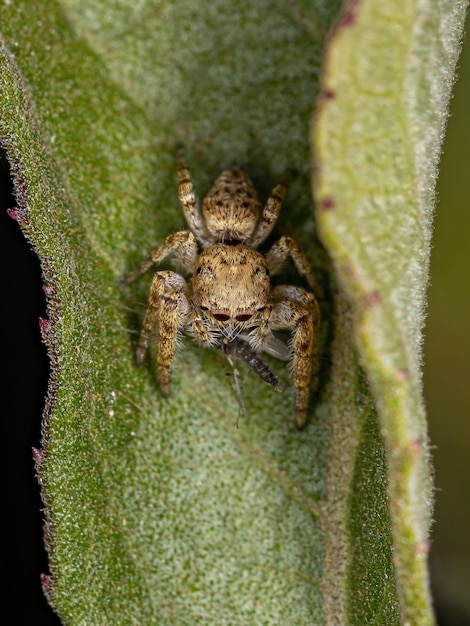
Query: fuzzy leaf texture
(162,511)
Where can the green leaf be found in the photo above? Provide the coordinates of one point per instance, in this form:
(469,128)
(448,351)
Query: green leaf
(386,84)
(163,511)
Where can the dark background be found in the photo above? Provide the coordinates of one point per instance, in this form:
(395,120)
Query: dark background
(23,386)
(447,362)
(446,386)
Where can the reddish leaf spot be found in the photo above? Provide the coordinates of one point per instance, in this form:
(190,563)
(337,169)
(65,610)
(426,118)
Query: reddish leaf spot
(328,94)
(415,447)
(402,374)
(46,584)
(373,298)
(45,325)
(38,455)
(16,214)
(349,16)
(327,203)
(422,547)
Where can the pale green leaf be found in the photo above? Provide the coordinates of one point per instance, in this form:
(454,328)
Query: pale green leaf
(386,83)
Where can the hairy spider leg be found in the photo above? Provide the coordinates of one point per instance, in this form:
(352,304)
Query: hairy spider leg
(270,212)
(168,309)
(297,294)
(184,243)
(285,248)
(293,308)
(188,199)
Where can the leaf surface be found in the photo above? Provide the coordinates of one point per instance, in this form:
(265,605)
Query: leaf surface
(163,511)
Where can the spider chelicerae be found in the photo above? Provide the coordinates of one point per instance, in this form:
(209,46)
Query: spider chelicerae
(228,301)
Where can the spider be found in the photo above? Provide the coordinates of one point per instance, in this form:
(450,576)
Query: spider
(228,301)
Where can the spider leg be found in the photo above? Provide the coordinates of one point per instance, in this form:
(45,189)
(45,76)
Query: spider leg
(184,243)
(198,329)
(270,213)
(287,247)
(297,310)
(188,199)
(297,294)
(168,310)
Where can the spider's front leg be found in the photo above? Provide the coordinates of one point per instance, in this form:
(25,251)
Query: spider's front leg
(188,198)
(287,247)
(295,309)
(168,310)
(270,212)
(183,243)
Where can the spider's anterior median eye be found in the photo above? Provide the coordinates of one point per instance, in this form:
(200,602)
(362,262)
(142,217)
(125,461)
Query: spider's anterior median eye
(243,318)
(221,317)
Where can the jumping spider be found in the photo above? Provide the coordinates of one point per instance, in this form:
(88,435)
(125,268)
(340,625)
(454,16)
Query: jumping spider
(228,302)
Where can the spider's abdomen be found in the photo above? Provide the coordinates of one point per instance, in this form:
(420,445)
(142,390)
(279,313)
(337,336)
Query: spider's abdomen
(231,208)
(231,282)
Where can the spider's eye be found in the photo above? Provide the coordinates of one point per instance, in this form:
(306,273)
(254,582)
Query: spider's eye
(204,308)
(221,317)
(243,318)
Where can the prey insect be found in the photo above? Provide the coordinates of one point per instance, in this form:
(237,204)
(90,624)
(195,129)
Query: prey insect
(242,351)
(228,301)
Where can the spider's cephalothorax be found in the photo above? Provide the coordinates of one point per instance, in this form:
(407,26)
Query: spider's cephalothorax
(229,299)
